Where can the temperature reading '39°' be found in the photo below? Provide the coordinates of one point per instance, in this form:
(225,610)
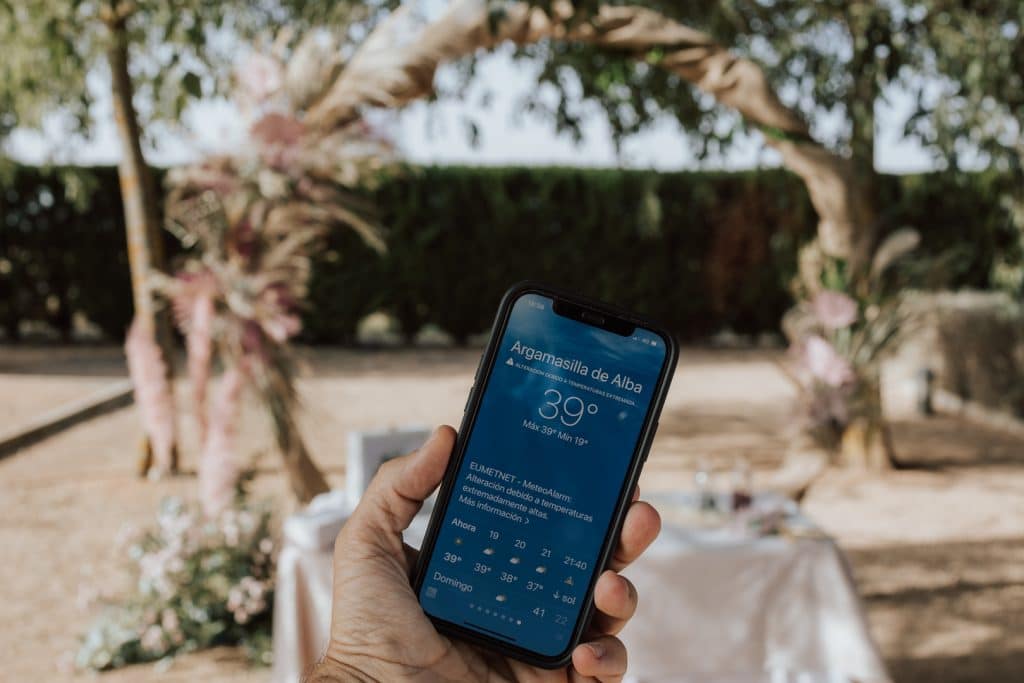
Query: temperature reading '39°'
(569,411)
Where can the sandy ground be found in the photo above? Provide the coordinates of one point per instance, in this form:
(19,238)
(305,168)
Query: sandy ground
(937,548)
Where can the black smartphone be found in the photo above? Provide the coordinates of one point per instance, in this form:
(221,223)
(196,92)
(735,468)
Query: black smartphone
(556,429)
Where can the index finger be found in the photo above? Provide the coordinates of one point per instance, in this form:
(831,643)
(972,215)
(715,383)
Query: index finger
(639,530)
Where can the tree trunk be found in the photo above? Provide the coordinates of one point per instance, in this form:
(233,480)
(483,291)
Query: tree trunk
(141,213)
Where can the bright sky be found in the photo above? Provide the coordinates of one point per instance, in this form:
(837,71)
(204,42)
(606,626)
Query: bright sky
(436,133)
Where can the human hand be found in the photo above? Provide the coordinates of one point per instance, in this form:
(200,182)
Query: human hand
(378,629)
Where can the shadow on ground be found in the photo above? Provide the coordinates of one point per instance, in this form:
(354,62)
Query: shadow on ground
(57,360)
(947,442)
(1001,668)
(947,612)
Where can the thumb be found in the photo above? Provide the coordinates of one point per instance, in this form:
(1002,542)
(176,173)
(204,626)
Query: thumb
(400,486)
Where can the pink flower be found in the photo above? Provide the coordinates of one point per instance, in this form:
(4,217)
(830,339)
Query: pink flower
(278,129)
(194,312)
(169,620)
(825,364)
(279,136)
(218,468)
(259,77)
(834,309)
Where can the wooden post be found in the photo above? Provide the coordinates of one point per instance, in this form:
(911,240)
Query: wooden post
(141,213)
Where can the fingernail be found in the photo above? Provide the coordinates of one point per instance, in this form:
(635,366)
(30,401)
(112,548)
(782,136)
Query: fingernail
(597,649)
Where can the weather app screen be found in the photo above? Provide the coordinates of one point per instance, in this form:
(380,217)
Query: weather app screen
(560,418)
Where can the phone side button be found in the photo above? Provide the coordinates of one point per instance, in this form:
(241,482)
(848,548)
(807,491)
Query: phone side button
(468,397)
(647,448)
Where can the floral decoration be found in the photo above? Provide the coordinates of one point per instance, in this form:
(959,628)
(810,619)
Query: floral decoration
(197,582)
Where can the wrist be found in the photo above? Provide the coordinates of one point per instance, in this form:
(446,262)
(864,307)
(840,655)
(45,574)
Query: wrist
(331,670)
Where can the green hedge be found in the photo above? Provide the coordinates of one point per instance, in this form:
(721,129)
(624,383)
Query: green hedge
(697,251)
(700,251)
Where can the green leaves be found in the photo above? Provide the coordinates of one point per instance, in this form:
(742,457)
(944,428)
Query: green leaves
(192,85)
(830,58)
(180,51)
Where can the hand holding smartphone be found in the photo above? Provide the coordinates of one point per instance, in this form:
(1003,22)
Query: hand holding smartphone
(556,429)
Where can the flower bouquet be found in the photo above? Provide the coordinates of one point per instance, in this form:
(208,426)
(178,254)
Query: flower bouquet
(839,334)
(198,582)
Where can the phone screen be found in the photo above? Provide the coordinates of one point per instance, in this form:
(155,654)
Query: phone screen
(561,415)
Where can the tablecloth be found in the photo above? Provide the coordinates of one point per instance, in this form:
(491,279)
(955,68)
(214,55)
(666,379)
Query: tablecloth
(714,606)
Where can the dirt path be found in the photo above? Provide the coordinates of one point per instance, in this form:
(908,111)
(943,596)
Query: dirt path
(938,550)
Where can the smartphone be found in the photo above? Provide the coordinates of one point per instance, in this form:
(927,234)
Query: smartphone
(557,426)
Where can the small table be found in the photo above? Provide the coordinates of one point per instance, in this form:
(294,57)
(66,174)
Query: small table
(722,606)
(715,606)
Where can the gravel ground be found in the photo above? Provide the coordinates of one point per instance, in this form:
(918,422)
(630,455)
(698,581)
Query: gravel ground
(937,549)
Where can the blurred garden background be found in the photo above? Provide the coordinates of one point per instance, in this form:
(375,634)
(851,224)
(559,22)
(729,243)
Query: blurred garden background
(272,225)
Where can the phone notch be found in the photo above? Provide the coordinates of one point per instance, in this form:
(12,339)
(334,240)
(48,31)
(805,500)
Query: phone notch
(593,317)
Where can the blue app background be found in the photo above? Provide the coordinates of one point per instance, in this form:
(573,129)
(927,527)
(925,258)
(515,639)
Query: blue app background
(559,421)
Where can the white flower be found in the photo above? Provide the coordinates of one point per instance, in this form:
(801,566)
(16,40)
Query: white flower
(272,185)
(235,599)
(246,520)
(259,77)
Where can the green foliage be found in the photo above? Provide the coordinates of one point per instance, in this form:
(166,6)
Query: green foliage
(460,236)
(47,53)
(961,62)
(346,285)
(179,51)
(62,250)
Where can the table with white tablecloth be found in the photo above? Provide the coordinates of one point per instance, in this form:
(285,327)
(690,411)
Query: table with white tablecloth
(715,605)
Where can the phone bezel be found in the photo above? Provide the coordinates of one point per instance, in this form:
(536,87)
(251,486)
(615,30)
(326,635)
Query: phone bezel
(472,409)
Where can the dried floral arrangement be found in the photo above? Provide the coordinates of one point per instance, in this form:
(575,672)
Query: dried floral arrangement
(839,334)
(249,222)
